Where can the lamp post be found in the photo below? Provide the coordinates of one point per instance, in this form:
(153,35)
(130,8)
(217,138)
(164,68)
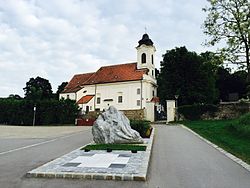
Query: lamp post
(34,115)
(176,107)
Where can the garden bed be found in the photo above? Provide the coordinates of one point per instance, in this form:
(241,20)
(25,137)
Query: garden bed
(125,147)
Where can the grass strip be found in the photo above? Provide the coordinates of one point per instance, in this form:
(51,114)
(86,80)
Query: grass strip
(222,133)
(126,147)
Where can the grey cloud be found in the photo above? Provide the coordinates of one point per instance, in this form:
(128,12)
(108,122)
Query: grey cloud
(59,38)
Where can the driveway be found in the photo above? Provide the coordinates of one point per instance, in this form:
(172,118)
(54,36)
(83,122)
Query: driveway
(179,160)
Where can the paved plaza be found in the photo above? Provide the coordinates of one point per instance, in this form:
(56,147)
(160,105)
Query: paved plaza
(99,165)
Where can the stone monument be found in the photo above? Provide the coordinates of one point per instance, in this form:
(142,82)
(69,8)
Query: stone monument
(112,127)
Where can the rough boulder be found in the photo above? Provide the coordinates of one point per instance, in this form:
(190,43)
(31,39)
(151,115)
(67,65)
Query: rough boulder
(112,127)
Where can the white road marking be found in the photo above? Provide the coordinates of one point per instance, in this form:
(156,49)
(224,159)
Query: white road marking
(40,143)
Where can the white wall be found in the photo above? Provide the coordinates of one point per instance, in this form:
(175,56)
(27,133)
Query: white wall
(128,91)
(150,113)
(170,110)
(71,96)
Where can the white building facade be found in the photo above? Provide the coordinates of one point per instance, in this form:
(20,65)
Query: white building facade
(130,86)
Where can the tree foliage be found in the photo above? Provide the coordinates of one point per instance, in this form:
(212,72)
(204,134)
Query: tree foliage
(187,74)
(20,112)
(61,88)
(38,89)
(229,21)
(231,83)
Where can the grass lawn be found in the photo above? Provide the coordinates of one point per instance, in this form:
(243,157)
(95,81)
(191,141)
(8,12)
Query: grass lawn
(115,147)
(224,135)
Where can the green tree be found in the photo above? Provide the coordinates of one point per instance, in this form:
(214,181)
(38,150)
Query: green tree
(14,96)
(229,21)
(188,75)
(38,89)
(61,88)
(231,83)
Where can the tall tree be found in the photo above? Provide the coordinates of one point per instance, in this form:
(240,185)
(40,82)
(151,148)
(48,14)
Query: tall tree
(38,89)
(229,21)
(188,75)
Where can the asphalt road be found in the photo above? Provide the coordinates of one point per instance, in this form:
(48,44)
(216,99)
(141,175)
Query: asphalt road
(179,160)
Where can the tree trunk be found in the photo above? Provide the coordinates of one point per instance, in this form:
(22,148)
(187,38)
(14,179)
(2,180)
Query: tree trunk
(248,71)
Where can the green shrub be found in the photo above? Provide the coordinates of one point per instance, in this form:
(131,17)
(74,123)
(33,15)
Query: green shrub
(141,126)
(115,147)
(242,125)
(194,112)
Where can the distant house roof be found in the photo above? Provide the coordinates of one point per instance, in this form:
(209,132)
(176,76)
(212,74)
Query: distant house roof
(85,99)
(155,100)
(107,74)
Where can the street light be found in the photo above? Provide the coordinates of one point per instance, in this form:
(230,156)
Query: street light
(176,107)
(34,115)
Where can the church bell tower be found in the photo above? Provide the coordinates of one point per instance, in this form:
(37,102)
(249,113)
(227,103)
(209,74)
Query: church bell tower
(145,54)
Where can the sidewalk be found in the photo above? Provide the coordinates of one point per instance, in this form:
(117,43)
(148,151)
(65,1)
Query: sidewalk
(181,159)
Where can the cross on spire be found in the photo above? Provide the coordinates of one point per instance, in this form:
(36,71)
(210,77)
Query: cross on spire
(145,28)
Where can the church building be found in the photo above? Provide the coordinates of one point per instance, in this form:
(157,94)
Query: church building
(130,87)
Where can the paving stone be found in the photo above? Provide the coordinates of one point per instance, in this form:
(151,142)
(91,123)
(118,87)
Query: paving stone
(71,164)
(98,177)
(88,177)
(119,178)
(123,166)
(117,166)
(59,175)
(109,177)
(127,178)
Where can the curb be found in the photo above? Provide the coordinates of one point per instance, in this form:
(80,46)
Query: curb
(229,155)
(141,176)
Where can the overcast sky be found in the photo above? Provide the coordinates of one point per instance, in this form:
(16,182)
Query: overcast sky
(56,39)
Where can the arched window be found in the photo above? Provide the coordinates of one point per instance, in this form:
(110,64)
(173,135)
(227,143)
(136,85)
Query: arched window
(143,58)
(152,59)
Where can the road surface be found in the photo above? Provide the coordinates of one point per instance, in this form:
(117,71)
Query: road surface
(179,160)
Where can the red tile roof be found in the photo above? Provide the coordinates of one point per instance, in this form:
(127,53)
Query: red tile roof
(76,82)
(85,99)
(155,99)
(117,73)
(107,74)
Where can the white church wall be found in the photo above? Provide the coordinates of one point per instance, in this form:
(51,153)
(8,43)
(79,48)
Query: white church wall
(71,96)
(109,93)
(86,90)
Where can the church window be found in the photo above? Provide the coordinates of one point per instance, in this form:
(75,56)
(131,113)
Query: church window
(152,73)
(138,103)
(67,96)
(153,93)
(98,100)
(138,91)
(119,99)
(143,58)
(152,59)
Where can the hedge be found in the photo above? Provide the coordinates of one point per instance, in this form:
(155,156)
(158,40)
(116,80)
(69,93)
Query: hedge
(20,112)
(141,126)
(194,112)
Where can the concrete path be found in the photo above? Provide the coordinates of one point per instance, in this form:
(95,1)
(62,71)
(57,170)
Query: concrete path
(179,160)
